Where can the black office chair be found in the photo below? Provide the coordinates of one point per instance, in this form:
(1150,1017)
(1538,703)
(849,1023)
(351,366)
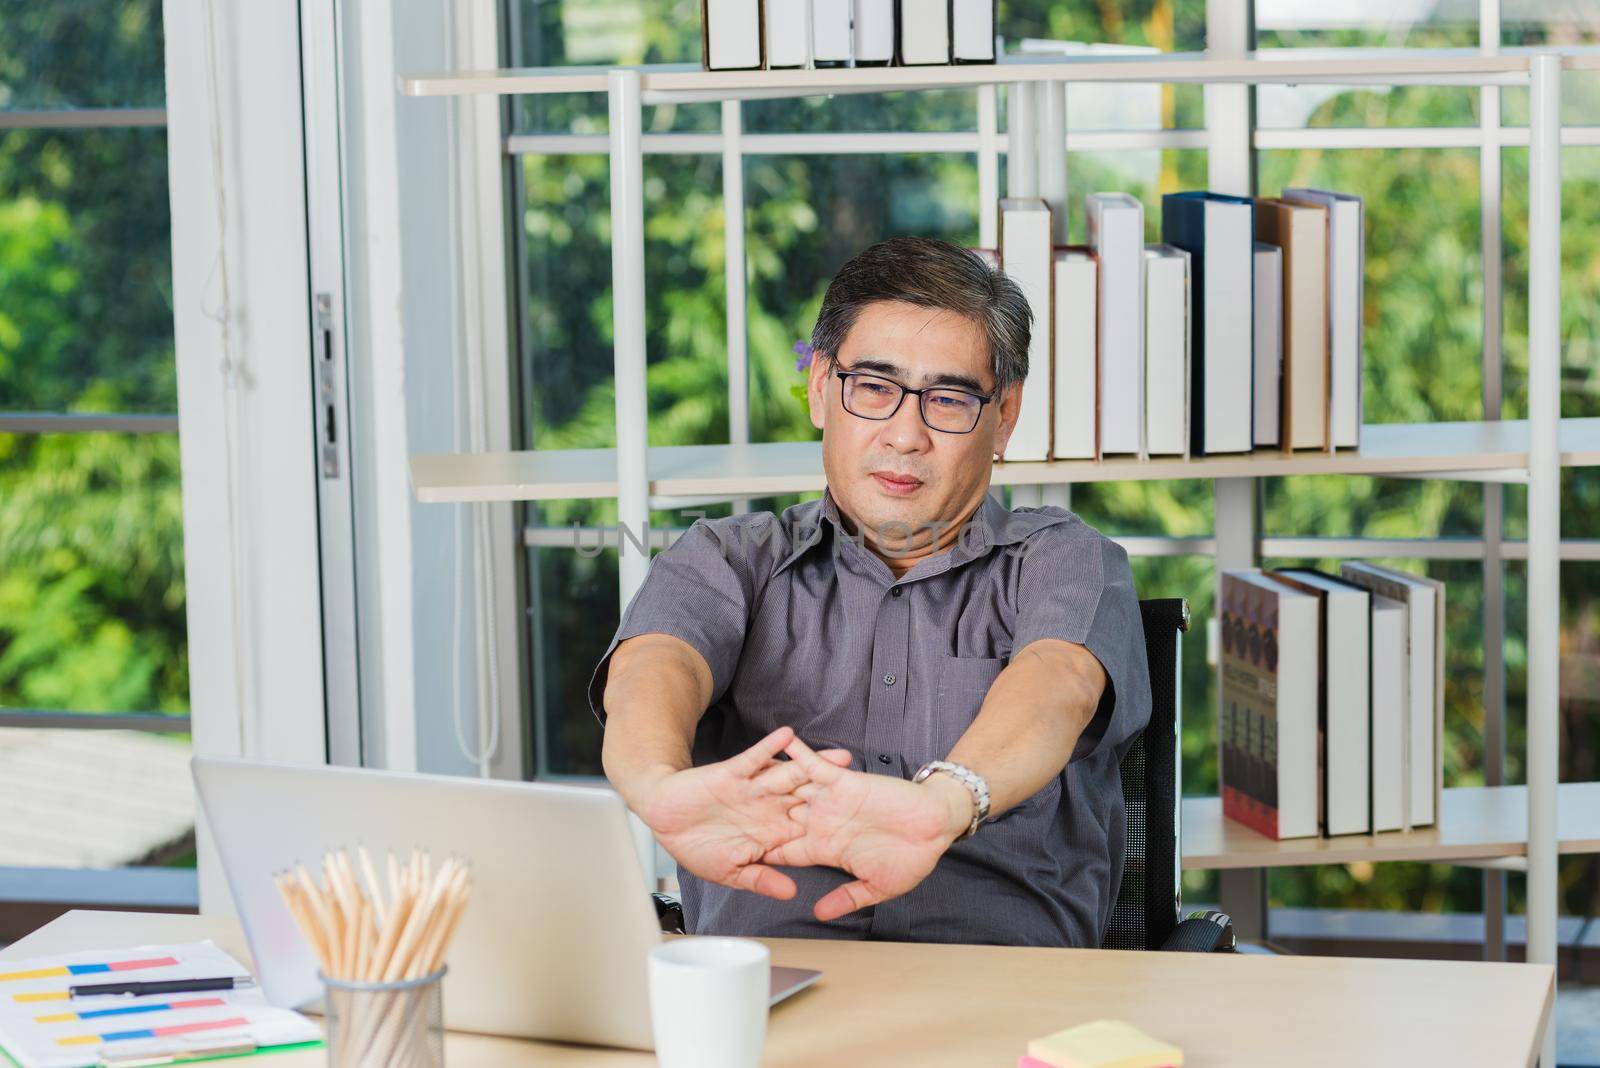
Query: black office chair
(1145,915)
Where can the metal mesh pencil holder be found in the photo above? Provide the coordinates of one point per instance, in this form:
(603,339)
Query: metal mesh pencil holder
(386,1025)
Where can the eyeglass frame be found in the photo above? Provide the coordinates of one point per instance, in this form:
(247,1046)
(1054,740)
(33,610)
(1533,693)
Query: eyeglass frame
(905,391)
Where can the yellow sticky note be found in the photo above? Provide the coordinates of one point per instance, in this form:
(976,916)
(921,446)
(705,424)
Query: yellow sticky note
(1104,1044)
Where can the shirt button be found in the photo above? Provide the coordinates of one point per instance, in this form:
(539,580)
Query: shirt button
(883,758)
(894,591)
(888,680)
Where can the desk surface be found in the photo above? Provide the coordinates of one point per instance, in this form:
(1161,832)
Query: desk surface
(891,1004)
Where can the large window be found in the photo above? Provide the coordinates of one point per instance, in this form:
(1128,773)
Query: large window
(867,167)
(93,656)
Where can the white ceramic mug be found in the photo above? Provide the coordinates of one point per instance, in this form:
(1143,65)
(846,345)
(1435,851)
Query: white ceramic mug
(708,1002)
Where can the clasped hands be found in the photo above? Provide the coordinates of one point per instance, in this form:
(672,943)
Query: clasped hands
(731,821)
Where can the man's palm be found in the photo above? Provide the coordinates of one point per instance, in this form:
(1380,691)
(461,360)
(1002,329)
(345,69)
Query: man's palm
(885,831)
(719,820)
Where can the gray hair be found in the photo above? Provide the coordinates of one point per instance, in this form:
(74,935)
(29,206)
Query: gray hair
(930,273)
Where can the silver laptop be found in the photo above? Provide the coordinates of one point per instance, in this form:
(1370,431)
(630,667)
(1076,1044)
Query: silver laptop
(554,941)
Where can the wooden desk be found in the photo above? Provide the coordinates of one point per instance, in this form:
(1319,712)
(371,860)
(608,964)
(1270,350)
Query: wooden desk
(889,1004)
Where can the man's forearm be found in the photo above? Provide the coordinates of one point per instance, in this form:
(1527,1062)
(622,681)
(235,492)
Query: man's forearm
(656,691)
(1031,720)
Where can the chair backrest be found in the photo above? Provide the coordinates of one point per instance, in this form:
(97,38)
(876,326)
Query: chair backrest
(1147,903)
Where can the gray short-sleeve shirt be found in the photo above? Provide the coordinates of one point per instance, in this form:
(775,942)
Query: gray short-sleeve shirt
(802,625)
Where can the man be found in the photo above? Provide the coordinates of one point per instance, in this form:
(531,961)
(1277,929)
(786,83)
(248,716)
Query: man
(904,619)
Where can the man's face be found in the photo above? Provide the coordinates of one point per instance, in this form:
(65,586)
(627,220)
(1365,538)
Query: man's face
(895,474)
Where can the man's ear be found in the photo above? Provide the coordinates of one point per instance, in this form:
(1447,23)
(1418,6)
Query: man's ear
(1009,406)
(817,388)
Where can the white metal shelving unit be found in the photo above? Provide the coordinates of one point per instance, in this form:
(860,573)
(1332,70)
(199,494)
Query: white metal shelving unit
(1531,450)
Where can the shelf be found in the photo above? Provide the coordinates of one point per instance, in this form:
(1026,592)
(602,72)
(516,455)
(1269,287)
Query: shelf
(1476,823)
(1462,450)
(1289,66)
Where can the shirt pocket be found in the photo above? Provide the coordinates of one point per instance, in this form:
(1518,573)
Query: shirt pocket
(963,683)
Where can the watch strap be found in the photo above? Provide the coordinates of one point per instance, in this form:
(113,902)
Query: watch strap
(968,778)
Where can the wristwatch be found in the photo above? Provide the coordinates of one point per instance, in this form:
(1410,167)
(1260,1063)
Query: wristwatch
(971,780)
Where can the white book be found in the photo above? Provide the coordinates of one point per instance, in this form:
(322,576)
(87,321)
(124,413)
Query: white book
(1390,670)
(1166,351)
(788,24)
(732,34)
(1268,340)
(1424,728)
(1268,727)
(924,32)
(874,32)
(1116,233)
(1346,271)
(1344,698)
(972,31)
(1075,371)
(1026,257)
(830,31)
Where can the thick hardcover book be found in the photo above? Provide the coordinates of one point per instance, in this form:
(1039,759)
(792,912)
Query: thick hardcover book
(924,32)
(1346,271)
(1344,698)
(788,28)
(1026,256)
(730,34)
(1301,230)
(1075,370)
(972,31)
(1268,726)
(1166,351)
(1218,232)
(1424,729)
(1268,339)
(874,33)
(1391,668)
(1116,233)
(832,44)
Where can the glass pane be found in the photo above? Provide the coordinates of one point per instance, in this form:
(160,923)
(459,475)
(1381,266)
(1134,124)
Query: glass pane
(1580,274)
(88,54)
(91,573)
(1580,100)
(1297,107)
(1365,24)
(1549,22)
(86,258)
(96,799)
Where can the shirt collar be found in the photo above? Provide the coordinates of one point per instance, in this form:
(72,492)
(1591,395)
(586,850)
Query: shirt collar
(994,526)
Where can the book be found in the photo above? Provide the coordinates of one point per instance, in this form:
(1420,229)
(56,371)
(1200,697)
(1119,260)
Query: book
(1390,670)
(1218,231)
(1102,1044)
(1075,373)
(1344,698)
(1026,258)
(788,33)
(831,37)
(1268,726)
(1346,271)
(1301,231)
(972,31)
(1424,728)
(730,34)
(924,32)
(1166,351)
(874,32)
(1116,234)
(1268,339)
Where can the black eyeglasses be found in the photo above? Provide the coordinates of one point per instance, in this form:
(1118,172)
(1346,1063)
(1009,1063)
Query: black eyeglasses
(949,411)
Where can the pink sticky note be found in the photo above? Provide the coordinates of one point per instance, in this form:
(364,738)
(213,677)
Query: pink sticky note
(1026,1061)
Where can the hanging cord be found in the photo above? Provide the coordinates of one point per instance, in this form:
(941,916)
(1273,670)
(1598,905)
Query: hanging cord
(486,648)
(249,741)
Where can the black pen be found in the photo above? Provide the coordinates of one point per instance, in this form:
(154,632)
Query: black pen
(163,986)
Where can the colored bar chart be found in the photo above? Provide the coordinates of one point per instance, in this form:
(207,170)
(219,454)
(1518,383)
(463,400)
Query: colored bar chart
(130,1010)
(153,1032)
(65,971)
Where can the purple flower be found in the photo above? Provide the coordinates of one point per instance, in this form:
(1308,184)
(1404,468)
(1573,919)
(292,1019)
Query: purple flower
(803,350)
